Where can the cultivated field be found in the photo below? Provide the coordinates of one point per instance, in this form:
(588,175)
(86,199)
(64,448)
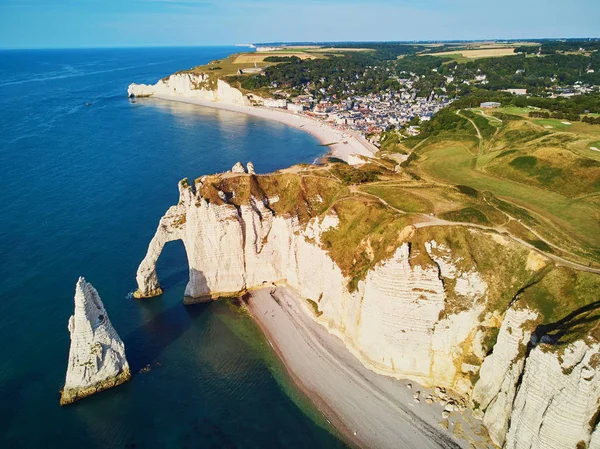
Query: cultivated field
(250,58)
(479,53)
(230,66)
(338,50)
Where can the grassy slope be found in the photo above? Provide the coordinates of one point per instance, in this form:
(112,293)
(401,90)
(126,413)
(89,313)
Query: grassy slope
(556,188)
(370,232)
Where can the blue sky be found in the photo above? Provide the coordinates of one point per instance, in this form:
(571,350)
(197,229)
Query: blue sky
(116,23)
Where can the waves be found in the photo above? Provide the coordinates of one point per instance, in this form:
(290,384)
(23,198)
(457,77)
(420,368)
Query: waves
(69,71)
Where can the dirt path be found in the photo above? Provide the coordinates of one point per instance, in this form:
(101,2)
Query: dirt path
(434,221)
(354,189)
(491,117)
(479,136)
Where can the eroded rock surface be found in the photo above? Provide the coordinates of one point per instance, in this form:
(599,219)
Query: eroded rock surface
(97,356)
(428,312)
(192,85)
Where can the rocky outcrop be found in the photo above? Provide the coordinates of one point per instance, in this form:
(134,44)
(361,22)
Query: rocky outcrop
(558,398)
(500,373)
(192,85)
(391,321)
(238,168)
(538,395)
(423,313)
(97,355)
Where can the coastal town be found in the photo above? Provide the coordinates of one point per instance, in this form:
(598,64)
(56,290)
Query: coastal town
(401,94)
(369,114)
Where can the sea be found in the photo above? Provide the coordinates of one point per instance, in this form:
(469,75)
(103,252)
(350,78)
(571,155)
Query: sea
(85,175)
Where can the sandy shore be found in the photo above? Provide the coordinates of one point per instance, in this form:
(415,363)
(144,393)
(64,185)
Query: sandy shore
(371,410)
(340,144)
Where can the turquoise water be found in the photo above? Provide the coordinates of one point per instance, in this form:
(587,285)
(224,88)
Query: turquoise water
(82,189)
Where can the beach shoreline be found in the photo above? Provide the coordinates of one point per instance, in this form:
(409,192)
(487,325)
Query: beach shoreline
(368,409)
(316,400)
(344,145)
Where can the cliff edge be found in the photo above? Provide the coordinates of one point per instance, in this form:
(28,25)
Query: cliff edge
(193,85)
(454,307)
(97,356)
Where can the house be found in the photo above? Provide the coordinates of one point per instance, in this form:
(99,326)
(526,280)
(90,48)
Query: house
(272,103)
(413,130)
(293,107)
(490,105)
(516,91)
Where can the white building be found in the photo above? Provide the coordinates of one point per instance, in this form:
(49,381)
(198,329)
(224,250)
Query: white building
(264,49)
(490,105)
(272,103)
(297,108)
(516,91)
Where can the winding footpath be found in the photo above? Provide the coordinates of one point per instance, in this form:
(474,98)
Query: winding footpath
(434,221)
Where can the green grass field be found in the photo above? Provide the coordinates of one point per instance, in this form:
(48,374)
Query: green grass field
(454,163)
(400,198)
(554,123)
(513,110)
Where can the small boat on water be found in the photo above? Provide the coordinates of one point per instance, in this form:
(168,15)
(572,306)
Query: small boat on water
(88,104)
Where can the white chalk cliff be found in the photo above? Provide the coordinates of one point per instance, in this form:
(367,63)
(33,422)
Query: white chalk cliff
(192,85)
(97,355)
(400,320)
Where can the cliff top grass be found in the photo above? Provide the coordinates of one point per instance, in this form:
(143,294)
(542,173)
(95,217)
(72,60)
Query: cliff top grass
(376,208)
(562,292)
(549,177)
(251,63)
(286,194)
(368,233)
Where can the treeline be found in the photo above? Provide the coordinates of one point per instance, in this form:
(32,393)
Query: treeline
(561,116)
(444,120)
(591,120)
(330,76)
(382,51)
(281,59)
(579,104)
(557,115)
(509,72)
(563,46)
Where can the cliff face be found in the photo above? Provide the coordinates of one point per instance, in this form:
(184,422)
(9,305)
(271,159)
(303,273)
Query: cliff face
(431,311)
(191,85)
(97,355)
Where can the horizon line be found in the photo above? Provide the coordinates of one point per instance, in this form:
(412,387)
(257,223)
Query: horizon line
(416,41)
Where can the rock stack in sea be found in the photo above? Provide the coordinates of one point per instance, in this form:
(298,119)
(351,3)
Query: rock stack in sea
(97,355)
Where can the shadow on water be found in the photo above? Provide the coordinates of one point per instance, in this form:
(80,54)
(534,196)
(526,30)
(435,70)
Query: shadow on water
(227,409)
(174,279)
(207,431)
(148,341)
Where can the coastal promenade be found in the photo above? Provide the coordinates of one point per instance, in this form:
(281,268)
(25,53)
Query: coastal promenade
(341,144)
